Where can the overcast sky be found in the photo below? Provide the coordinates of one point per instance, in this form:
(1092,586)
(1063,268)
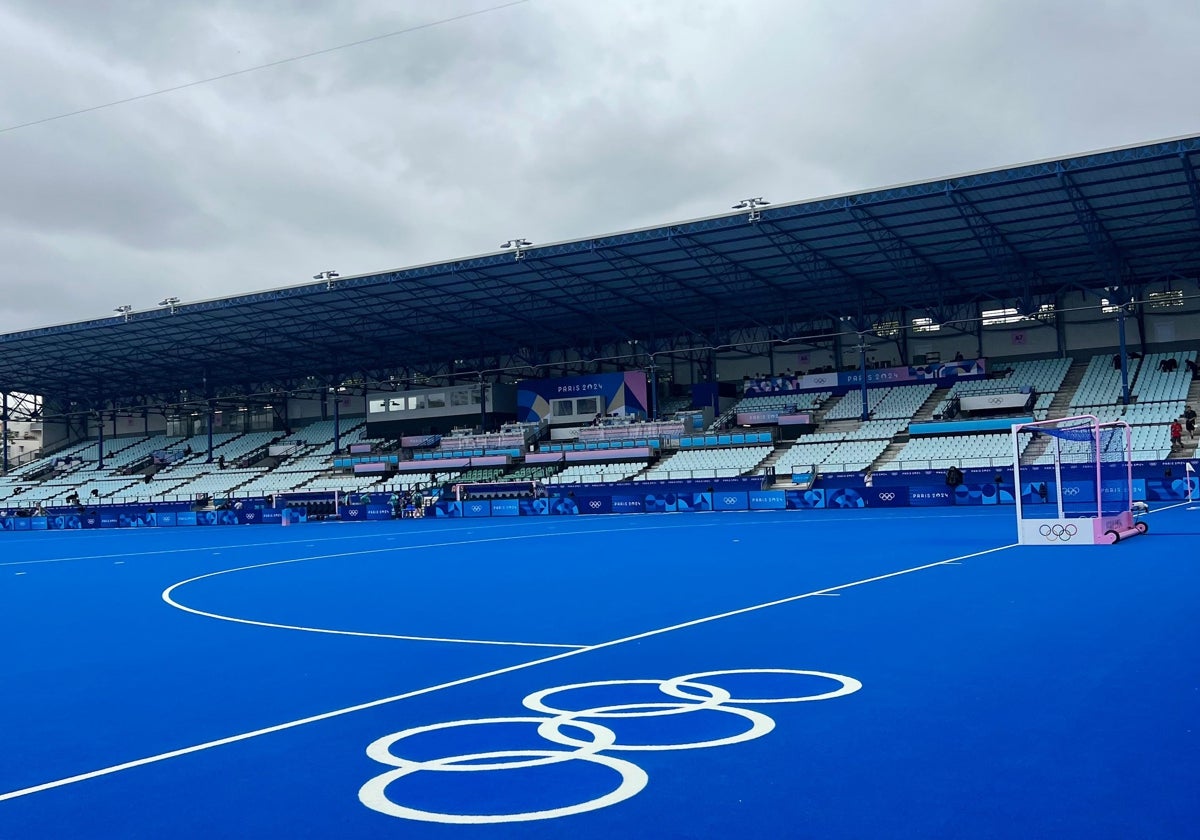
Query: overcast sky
(550,119)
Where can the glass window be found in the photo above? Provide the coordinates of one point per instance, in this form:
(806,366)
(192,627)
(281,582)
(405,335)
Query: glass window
(437,400)
(587,406)
(396,404)
(377,406)
(460,397)
(562,408)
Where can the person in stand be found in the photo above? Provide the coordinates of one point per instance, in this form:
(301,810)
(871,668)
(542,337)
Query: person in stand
(1189,421)
(868,478)
(221,462)
(954,476)
(1176,434)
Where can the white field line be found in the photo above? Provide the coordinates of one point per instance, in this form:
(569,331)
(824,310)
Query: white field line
(245,736)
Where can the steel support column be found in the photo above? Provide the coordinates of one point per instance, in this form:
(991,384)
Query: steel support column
(337,423)
(4,426)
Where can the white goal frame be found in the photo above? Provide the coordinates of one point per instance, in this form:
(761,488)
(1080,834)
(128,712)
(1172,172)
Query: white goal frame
(1091,528)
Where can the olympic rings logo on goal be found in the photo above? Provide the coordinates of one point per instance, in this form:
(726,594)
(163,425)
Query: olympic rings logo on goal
(1058,532)
(575,735)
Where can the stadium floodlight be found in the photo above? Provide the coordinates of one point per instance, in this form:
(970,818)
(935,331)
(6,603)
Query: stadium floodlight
(171,302)
(328,276)
(753,205)
(518,245)
(123,310)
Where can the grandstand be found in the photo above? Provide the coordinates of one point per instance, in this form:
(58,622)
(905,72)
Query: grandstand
(277,418)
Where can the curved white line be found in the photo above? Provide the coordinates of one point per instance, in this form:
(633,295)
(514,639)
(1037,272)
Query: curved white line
(167,593)
(166,596)
(508,669)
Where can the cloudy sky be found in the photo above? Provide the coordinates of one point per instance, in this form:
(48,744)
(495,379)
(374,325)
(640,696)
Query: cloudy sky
(547,119)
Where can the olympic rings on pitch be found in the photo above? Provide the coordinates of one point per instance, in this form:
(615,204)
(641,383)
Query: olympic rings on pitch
(689,693)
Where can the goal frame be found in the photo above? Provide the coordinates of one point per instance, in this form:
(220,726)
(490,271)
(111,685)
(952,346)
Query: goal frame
(1095,527)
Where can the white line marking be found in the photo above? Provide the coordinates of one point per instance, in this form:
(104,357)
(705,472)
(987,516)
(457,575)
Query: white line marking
(830,594)
(167,593)
(245,736)
(836,518)
(374,535)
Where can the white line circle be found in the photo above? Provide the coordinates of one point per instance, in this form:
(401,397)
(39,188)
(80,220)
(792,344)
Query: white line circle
(536,701)
(760,725)
(374,793)
(380,749)
(849,685)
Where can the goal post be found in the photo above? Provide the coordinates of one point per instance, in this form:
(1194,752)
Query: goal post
(1073,479)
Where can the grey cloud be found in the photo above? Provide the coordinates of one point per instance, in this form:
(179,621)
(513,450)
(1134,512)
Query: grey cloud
(553,119)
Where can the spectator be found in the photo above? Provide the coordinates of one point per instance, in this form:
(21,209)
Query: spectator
(868,478)
(1176,434)
(954,477)
(1193,368)
(1189,421)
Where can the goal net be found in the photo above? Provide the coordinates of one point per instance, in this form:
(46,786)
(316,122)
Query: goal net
(1074,482)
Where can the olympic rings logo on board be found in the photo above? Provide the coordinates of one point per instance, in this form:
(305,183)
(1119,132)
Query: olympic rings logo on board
(1058,532)
(887,497)
(730,500)
(575,735)
(595,504)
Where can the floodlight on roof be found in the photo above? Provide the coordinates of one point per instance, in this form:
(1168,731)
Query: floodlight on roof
(328,276)
(123,310)
(517,245)
(752,204)
(171,302)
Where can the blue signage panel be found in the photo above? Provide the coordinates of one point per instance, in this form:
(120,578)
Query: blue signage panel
(694,501)
(767,500)
(731,500)
(661,502)
(810,499)
(885,496)
(628,504)
(167,519)
(352,513)
(563,506)
(505,507)
(595,504)
(929,495)
(476,507)
(186,517)
(844,497)
(534,507)
(447,509)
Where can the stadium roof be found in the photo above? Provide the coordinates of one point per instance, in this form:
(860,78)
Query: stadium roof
(1117,217)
